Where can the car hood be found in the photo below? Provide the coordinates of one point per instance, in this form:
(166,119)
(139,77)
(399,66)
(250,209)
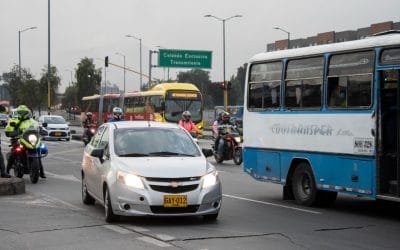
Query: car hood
(57,126)
(163,167)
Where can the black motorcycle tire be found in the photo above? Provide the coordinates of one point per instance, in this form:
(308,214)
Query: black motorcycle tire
(35,167)
(237,156)
(18,170)
(218,159)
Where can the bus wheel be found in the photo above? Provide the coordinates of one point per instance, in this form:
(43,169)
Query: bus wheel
(303,184)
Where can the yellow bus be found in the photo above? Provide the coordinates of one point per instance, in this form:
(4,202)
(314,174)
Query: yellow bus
(165,102)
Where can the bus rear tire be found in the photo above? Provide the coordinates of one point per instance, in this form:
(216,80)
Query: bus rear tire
(303,184)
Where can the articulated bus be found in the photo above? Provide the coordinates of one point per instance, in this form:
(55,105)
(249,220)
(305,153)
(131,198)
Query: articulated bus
(165,102)
(326,119)
(92,103)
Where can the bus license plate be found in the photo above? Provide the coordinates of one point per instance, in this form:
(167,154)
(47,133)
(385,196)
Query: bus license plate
(175,201)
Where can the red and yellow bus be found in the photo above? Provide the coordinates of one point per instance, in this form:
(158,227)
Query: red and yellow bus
(165,102)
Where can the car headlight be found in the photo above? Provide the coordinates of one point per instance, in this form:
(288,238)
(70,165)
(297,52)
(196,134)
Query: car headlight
(130,180)
(210,179)
(32,139)
(200,127)
(238,139)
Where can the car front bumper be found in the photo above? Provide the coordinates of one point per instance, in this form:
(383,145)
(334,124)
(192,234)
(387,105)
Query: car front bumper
(129,201)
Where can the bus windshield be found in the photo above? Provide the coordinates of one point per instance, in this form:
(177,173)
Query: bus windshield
(176,103)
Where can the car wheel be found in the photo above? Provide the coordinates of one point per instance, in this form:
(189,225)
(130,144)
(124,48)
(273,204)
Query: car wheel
(210,217)
(86,197)
(109,214)
(304,188)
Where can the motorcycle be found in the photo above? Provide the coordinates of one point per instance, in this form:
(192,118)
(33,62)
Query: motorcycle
(89,133)
(27,151)
(232,145)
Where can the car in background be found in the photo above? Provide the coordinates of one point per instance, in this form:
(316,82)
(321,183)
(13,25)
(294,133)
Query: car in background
(54,127)
(3,120)
(143,168)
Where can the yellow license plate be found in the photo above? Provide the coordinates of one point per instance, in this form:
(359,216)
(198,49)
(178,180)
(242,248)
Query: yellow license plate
(175,201)
(57,134)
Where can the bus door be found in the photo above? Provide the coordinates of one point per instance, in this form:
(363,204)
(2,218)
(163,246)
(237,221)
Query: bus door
(389,131)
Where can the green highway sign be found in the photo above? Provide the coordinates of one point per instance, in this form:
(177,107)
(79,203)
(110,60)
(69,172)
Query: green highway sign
(174,58)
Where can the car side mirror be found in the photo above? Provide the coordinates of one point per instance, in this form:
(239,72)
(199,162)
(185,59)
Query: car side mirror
(98,152)
(207,152)
(44,124)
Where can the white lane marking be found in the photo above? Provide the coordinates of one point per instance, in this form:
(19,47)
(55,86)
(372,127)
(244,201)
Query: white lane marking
(158,243)
(68,177)
(165,237)
(118,229)
(54,199)
(271,204)
(137,229)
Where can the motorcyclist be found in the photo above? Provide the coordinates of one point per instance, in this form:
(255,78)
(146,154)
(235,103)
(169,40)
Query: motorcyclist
(17,126)
(117,115)
(219,141)
(89,120)
(215,125)
(187,123)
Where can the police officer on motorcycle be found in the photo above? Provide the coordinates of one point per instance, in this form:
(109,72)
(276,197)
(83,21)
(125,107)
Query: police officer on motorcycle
(117,115)
(219,141)
(17,126)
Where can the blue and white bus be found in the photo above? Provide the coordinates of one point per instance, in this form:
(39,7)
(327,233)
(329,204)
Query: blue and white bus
(326,119)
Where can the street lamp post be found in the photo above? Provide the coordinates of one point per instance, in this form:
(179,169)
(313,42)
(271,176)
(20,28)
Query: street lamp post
(223,20)
(19,47)
(69,85)
(124,68)
(140,57)
(288,35)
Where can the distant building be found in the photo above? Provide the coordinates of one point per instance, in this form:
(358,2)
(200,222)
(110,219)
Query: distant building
(334,37)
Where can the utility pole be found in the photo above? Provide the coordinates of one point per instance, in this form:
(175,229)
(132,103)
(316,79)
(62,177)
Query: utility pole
(48,65)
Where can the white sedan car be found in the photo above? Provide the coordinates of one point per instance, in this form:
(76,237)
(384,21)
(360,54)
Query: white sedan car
(149,168)
(54,127)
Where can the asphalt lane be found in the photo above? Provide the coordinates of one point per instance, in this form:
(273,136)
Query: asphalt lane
(253,216)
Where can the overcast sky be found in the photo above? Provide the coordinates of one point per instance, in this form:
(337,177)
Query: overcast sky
(96,28)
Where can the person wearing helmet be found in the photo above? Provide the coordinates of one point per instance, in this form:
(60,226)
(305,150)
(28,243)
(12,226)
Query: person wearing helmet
(224,122)
(17,126)
(117,115)
(88,120)
(187,123)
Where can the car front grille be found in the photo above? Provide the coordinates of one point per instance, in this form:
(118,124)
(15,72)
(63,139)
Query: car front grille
(174,190)
(182,179)
(174,210)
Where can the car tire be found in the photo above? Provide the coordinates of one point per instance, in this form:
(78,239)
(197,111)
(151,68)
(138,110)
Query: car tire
(303,184)
(109,213)
(210,217)
(87,199)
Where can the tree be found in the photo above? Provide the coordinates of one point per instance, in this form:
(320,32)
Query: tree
(70,97)
(55,81)
(31,94)
(237,86)
(14,82)
(88,79)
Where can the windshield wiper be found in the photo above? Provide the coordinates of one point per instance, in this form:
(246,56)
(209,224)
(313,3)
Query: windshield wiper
(133,155)
(167,153)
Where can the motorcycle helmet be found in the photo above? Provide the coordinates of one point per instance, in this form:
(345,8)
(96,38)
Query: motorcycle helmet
(186,115)
(24,113)
(89,115)
(226,117)
(117,112)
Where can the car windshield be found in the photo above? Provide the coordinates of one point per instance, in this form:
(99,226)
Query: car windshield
(175,107)
(54,120)
(140,142)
